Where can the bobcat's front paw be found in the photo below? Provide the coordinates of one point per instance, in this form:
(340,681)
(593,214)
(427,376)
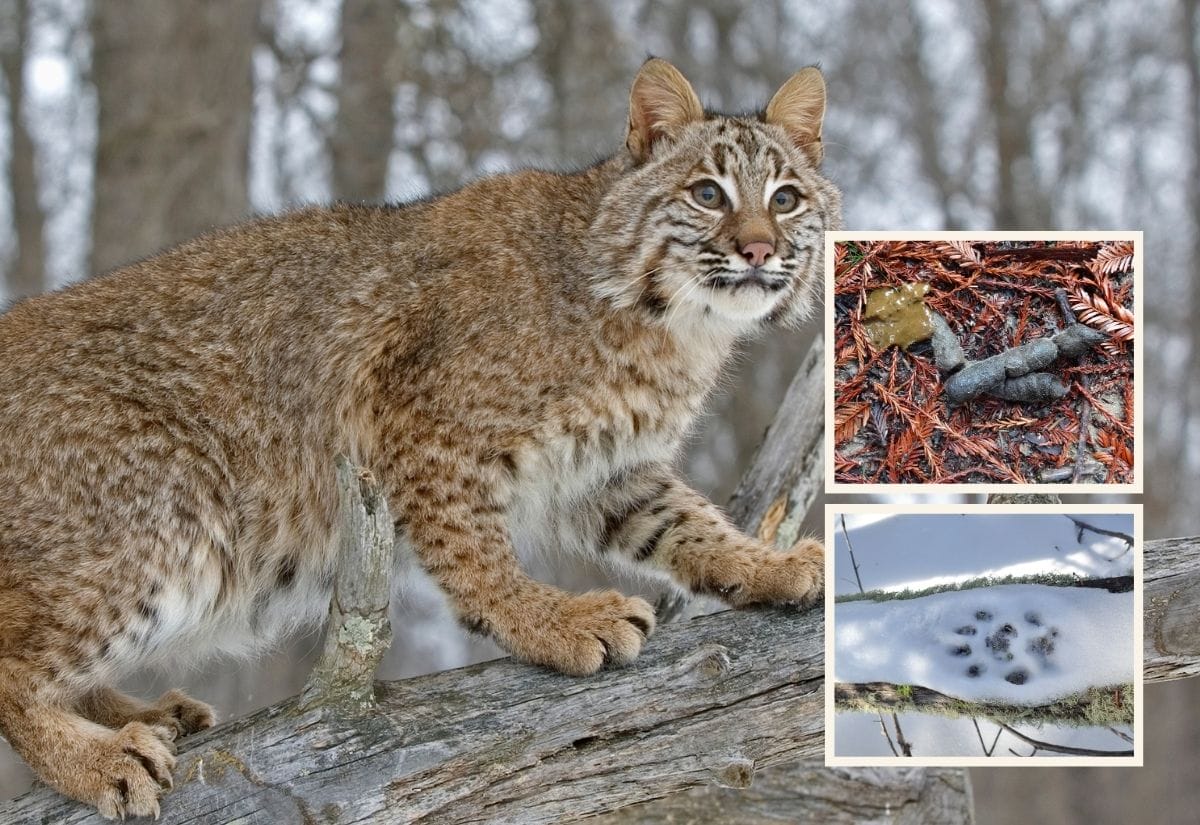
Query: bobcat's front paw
(125,773)
(180,713)
(579,634)
(795,577)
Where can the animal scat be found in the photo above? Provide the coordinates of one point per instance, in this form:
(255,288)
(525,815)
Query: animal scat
(947,351)
(1035,388)
(978,378)
(1077,339)
(898,315)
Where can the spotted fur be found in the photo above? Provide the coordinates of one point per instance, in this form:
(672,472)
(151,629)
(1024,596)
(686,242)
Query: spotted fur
(516,362)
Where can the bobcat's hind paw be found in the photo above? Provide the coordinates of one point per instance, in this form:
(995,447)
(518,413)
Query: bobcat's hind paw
(181,713)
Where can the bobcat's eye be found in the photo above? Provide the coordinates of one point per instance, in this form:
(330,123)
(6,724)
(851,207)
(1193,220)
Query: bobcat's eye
(785,199)
(708,194)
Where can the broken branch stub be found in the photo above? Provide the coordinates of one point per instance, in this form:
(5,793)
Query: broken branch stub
(359,632)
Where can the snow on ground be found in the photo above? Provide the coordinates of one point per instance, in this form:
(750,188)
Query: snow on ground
(859,734)
(1021,644)
(922,550)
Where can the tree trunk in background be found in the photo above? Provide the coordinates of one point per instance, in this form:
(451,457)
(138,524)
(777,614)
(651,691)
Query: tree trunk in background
(1015,206)
(175,89)
(927,119)
(1191,59)
(27,275)
(996,79)
(583,59)
(362,141)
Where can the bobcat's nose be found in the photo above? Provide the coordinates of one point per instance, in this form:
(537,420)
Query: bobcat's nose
(757,253)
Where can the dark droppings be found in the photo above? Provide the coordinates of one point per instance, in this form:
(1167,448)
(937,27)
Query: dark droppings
(1015,374)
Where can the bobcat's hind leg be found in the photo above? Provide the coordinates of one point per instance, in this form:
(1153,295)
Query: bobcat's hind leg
(174,710)
(120,772)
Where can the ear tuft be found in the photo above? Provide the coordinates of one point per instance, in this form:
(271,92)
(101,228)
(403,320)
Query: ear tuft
(799,107)
(661,103)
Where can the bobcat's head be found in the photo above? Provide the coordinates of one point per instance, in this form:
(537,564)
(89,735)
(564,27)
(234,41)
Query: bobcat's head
(721,218)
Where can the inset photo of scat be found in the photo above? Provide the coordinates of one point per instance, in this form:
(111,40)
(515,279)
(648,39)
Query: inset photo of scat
(984,635)
(1002,360)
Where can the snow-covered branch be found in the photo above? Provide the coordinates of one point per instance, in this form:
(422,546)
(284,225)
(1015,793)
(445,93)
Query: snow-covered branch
(1108,706)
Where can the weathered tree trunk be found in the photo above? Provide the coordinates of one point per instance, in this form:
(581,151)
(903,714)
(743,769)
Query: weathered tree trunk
(712,723)
(174,87)
(1171,602)
(808,793)
(710,701)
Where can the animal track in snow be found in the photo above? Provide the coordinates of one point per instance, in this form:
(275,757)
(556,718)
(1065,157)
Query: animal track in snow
(1004,639)
(1062,640)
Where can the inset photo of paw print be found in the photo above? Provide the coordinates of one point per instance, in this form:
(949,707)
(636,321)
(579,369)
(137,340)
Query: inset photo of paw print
(987,635)
(983,361)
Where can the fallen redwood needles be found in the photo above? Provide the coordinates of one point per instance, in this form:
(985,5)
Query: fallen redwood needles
(892,420)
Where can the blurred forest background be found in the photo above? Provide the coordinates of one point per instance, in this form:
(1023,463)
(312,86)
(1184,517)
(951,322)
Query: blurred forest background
(129,125)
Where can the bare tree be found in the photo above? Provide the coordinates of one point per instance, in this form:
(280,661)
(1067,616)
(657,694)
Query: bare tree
(1190,34)
(26,276)
(174,87)
(362,138)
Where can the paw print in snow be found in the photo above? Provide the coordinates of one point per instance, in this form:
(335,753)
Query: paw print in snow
(1018,677)
(1002,642)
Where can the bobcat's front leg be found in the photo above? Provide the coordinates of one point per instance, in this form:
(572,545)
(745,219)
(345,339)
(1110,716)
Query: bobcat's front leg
(652,517)
(459,534)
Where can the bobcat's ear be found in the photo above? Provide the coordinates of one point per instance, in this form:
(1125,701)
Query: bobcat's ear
(799,107)
(660,104)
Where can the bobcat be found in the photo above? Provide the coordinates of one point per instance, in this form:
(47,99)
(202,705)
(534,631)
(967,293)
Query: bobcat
(516,363)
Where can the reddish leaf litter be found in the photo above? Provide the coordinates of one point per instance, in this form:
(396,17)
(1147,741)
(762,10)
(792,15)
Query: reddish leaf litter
(892,425)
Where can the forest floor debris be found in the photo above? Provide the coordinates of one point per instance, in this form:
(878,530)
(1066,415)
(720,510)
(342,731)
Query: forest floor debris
(898,419)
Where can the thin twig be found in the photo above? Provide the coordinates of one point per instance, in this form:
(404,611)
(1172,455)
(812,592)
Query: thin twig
(1085,407)
(1122,734)
(1083,525)
(1067,749)
(1064,305)
(888,736)
(850,548)
(905,745)
(1081,447)
(986,750)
